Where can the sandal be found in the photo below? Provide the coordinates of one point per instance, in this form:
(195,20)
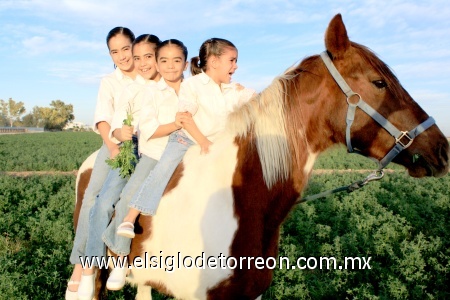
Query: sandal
(126,229)
(116,279)
(72,295)
(87,287)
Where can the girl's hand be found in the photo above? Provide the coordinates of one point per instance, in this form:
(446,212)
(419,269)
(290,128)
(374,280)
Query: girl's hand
(185,118)
(113,151)
(127,132)
(180,117)
(239,87)
(204,146)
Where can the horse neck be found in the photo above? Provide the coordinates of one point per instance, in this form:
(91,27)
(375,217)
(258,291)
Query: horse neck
(275,201)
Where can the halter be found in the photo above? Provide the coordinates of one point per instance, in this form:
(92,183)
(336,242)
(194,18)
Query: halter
(403,139)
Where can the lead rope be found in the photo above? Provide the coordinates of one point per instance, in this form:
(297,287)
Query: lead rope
(376,175)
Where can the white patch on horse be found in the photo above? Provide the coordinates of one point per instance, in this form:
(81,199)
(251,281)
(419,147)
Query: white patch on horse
(196,216)
(87,164)
(310,163)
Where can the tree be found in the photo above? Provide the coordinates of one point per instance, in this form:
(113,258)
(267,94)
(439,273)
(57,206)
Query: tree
(12,110)
(57,115)
(32,119)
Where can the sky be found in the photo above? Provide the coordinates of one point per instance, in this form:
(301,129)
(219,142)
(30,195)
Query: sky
(56,49)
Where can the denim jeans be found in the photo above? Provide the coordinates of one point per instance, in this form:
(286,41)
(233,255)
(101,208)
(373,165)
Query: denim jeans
(148,198)
(116,243)
(98,176)
(101,213)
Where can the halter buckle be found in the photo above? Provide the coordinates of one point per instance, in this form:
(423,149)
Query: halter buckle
(398,140)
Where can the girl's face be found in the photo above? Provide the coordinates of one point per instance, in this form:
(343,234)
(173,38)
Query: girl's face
(171,63)
(120,51)
(144,60)
(223,67)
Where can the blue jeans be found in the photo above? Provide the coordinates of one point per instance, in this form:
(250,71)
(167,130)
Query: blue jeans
(99,173)
(148,198)
(102,212)
(116,243)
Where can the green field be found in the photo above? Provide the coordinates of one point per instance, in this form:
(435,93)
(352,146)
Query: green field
(47,151)
(400,222)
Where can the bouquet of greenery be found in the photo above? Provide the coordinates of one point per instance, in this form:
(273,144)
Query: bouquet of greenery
(126,159)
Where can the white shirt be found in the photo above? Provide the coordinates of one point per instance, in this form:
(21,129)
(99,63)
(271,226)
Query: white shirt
(108,96)
(131,99)
(210,104)
(160,105)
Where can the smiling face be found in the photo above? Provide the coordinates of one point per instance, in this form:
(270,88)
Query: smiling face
(120,51)
(221,68)
(171,63)
(145,61)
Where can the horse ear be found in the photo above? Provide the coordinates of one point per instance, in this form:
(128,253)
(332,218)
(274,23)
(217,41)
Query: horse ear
(336,39)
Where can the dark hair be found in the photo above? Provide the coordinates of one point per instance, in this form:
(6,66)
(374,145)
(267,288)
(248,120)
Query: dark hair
(147,38)
(214,46)
(119,30)
(175,42)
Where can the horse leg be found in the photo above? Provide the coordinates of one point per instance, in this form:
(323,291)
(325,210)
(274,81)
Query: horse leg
(100,284)
(144,292)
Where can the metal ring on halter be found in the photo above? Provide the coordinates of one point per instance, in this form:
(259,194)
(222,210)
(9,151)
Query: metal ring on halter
(398,140)
(354,94)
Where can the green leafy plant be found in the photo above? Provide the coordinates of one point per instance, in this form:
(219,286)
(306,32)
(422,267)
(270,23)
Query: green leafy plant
(125,160)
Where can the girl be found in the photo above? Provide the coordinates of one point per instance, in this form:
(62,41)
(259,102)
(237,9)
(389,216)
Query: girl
(119,41)
(143,52)
(159,117)
(209,97)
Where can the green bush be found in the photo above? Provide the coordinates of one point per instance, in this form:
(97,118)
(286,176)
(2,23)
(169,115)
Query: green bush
(36,235)
(400,222)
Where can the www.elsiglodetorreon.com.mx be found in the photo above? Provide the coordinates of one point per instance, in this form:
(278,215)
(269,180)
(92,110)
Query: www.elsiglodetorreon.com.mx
(172,262)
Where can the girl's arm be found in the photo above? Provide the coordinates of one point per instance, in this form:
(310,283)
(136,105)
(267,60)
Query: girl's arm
(104,128)
(190,126)
(188,105)
(166,129)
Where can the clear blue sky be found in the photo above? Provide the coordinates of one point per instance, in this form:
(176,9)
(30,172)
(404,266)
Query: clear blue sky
(55,49)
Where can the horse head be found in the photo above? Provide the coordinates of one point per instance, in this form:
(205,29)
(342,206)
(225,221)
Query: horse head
(318,108)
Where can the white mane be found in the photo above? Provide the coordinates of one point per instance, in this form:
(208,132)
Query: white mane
(264,116)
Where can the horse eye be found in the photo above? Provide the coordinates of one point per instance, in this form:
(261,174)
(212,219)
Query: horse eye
(381,84)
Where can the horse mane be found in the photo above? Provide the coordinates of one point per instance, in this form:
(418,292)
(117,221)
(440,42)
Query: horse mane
(264,118)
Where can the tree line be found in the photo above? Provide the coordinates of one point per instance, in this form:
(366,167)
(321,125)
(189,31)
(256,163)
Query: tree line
(55,117)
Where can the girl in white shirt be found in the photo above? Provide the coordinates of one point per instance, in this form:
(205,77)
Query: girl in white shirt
(158,118)
(143,53)
(119,41)
(209,97)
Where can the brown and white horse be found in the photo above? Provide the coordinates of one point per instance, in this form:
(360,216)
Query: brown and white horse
(232,202)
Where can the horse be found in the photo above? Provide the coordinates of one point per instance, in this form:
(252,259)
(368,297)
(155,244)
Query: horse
(221,213)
